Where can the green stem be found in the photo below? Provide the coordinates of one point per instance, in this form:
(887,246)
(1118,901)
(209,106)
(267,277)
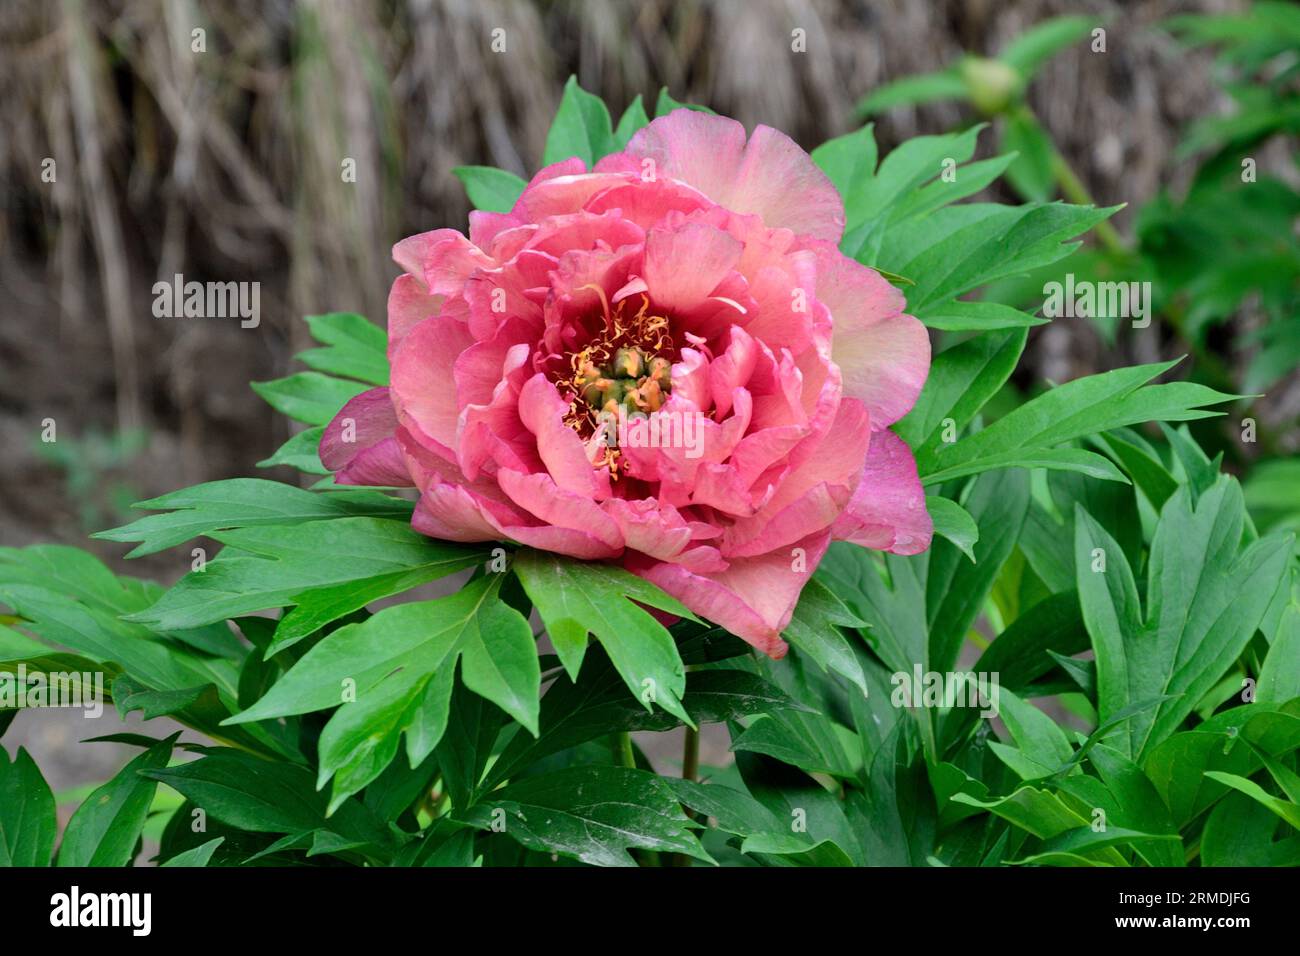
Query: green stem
(621,745)
(623,750)
(1073,189)
(690,770)
(691,754)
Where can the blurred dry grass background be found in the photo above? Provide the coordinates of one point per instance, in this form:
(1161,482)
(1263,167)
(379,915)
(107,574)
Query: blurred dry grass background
(225,165)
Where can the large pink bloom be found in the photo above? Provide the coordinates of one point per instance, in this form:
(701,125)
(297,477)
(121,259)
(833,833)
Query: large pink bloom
(694,275)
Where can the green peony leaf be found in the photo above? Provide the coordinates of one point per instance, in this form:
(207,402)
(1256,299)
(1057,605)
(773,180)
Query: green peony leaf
(665,104)
(962,379)
(581,128)
(1279,677)
(104,829)
(1085,406)
(849,161)
(266,797)
(576,598)
(1032,174)
(490,189)
(1068,848)
(953,522)
(302,451)
(27,812)
(598,705)
(392,674)
(279,565)
(309,397)
(1205,598)
(814,629)
(910,90)
(592,814)
(1239,832)
(355,347)
(633,118)
(1286,809)
(1044,40)
(243,503)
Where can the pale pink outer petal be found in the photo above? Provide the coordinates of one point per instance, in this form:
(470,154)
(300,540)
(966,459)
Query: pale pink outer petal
(563,195)
(423,377)
(409,304)
(887,511)
(443,259)
(770,176)
(883,353)
(754,598)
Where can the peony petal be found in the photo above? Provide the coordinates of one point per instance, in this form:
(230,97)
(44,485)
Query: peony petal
(542,411)
(563,195)
(883,354)
(574,543)
(409,304)
(770,176)
(423,379)
(648,204)
(381,465)
(443,259)
(887,511)
(732,369)
(364,421)
(542,497)
(683,266)
(453,513)
(654,529)
(496,296)
(582,231)
(754,598)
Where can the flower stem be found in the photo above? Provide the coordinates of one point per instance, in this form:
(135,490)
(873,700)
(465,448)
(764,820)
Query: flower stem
(621,745)
(623,750)
(691,754)
(690,770)
(1073,189)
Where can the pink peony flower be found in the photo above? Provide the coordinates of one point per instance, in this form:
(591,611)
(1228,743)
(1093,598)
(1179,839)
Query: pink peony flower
(691,283)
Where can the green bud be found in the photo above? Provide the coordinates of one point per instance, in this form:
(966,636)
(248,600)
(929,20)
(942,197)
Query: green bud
(991,84)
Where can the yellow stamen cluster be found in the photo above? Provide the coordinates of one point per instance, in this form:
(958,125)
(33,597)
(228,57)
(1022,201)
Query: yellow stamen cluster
(624,364)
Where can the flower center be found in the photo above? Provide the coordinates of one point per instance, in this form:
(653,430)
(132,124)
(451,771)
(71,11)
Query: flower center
(626,363)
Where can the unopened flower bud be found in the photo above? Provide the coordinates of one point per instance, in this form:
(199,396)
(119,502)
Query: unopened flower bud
(991,84)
